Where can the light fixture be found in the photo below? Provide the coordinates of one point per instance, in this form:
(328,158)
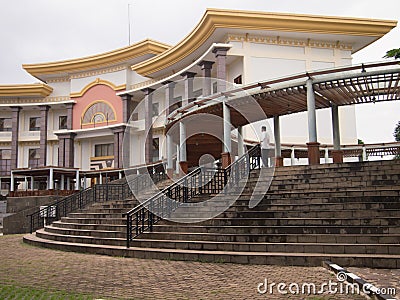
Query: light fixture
(363,68)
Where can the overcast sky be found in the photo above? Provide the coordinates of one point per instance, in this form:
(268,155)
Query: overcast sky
(34,31)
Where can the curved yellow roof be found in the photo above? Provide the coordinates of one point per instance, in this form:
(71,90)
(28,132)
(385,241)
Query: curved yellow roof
(250,20)
(105,59)
(18,90)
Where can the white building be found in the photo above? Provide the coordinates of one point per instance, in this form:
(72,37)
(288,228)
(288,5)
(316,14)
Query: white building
(77,115)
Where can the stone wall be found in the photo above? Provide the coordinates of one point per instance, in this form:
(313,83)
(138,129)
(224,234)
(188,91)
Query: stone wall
(20,207)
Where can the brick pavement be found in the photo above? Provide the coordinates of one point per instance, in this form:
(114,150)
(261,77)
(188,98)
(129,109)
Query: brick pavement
(126,278)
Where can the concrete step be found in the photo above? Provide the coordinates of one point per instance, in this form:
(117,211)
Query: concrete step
(282,214)
(276,238)
(296,205)
(41,233)
(92,215)
(262,258)
(268,229)
(84,226)
(99,210)
(327,248)
(86,232)
(111,221)
(349,194)
(372,177)
(261,221)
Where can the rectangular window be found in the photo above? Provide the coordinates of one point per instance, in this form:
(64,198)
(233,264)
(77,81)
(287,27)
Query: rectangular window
(5,162)
(5,124)
(33,160)
(103,150)
(62,122)
(156,149)
(238,80)
(34,124)
(155,109)
(214,87)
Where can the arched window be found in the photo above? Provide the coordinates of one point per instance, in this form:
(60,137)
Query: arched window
(98,112)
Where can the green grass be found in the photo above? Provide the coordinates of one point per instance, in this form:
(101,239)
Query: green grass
(15,292)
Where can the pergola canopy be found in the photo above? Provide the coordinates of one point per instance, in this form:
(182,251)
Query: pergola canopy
(365,83)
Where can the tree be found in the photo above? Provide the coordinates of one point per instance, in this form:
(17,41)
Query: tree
(396,135)
(395,53)
(396,132)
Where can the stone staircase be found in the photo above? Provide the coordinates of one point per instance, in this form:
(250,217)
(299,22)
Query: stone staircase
(347,213)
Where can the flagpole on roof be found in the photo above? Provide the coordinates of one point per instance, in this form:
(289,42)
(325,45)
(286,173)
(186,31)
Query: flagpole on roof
(129,24)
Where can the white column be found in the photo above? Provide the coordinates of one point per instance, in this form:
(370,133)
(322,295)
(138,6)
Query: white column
(120,175)
(68,183)
(292,157)
(178,154)
(26,183)
(312,119)
(62,187)
(170,149)
(32,183)
(326,155)
(227,127)
(12,182)
(364,153)
(77,180)
(277,133)
(182,141)
(240,141)
(100,179)
(335,127)
(84,182)
(51,179)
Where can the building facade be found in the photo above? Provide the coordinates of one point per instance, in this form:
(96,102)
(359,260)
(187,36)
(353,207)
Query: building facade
(76,117)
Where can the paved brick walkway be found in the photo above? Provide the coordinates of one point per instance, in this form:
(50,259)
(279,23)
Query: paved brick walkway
(123,278)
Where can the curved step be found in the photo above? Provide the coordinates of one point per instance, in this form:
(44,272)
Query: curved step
(283,238)
(42,233)
(292,259)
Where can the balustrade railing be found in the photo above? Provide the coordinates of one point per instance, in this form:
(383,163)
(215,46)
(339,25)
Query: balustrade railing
(97,193)
(201,181)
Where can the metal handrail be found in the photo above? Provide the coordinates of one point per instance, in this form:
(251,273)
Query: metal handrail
(97,193)
(200,181)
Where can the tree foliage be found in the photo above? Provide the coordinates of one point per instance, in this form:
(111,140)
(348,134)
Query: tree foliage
(394,53)
(396,132)
(396,135)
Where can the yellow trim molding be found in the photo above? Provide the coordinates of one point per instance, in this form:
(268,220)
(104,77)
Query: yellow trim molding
(251,20)
(94,158)
(25,90)
(96,82)
(101,60)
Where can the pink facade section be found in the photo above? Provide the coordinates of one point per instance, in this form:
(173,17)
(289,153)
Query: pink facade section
(96,93)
